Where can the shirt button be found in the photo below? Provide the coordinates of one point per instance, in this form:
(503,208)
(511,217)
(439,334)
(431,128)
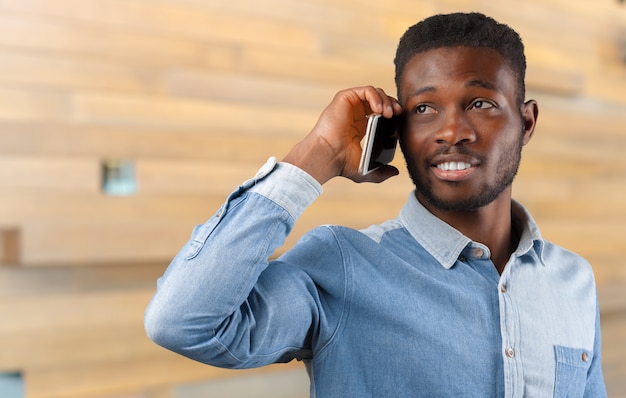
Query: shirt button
(267,167)
(478,252)
(585,357)
(510,352)
(502,289)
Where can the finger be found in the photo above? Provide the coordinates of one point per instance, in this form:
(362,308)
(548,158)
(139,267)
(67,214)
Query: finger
(397,108)
(389,105)
(386,104)
(375,98)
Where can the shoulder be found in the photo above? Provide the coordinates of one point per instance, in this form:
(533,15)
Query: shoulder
(557,256)
(572,270)
(335,245)
(376,232)
(331,234)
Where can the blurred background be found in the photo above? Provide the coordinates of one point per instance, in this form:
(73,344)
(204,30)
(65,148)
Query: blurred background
(124,123)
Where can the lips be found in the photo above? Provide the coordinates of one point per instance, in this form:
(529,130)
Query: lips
(454,167)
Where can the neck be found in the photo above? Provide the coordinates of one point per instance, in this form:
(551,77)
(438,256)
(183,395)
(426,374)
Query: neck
(490,225)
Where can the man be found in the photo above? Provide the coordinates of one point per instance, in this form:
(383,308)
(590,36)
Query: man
(458,296)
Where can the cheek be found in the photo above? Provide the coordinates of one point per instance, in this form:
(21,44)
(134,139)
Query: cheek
(507,148)
(413,136)
(503,133)
(411,145)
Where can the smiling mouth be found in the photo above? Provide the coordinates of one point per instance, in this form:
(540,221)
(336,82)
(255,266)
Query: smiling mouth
(453,166)
(453,171)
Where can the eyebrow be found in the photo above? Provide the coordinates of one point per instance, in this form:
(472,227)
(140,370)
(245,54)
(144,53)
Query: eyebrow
(482,83)
(471,83)
(427,89)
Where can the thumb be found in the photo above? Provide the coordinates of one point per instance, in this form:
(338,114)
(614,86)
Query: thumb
(380,174)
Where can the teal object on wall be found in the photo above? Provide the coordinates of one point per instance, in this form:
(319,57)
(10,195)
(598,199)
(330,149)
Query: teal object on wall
(11,385)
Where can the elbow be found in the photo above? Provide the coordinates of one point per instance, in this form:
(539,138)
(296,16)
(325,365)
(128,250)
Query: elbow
(182,336)
(170,330)
(168,323)
(161,329)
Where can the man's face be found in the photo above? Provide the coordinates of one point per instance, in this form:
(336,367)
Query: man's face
(463,129)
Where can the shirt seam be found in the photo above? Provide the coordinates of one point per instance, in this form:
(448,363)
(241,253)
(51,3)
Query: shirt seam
(346,301)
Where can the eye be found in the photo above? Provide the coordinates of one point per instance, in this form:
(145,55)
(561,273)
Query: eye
(480,104)
(422,109)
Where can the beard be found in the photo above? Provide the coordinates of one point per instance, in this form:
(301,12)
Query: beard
(506,170)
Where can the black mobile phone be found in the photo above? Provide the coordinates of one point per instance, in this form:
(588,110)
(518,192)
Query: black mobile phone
(381,139)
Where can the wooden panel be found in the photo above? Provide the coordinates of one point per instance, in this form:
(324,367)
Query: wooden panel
(102,328)
(191,177)
(42,34)
(77,242)
(96,334)
(37,173)
(98,208)
(22,105)
(9,245)
(614,366)
(329,70)
(135,375)
(63,71)
(94,310)
(173,20)
(248,88)
(554,80)
(16,282)
(581,118)
(199,94)
(128,142)
(149,112)
(587,237)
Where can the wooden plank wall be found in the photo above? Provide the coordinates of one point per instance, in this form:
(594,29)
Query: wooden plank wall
(198,93)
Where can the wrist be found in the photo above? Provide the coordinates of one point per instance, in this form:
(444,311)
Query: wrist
(318,160)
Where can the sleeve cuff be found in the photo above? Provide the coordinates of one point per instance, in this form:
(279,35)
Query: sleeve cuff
(287,185)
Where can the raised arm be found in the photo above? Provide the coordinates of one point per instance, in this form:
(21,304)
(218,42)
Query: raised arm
(219,301)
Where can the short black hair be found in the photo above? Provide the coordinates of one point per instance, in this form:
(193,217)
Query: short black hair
(464,30)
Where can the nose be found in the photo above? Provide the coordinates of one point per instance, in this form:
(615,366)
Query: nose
(456,129)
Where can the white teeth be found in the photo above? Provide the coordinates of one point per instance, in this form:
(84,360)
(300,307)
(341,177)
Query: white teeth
(453,166)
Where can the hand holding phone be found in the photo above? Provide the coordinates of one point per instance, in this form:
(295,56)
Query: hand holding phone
(329,150)
(381,138)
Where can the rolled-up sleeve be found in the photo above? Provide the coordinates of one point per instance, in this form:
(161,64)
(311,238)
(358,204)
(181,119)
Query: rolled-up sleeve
(212,304)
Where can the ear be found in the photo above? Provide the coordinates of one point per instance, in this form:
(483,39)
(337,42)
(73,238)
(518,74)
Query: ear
(529,113)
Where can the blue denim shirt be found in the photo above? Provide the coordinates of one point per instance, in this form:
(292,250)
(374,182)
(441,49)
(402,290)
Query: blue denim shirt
(408,308)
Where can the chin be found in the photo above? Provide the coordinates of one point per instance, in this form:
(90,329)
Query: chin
(465,203)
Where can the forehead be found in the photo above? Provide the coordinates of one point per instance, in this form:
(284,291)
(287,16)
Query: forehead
(447,67)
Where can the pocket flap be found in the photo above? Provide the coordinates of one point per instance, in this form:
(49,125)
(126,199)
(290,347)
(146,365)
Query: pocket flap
(578,357)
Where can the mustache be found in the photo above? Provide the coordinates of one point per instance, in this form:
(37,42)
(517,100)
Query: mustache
(455,150)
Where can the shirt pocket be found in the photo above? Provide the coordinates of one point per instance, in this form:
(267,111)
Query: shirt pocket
(572,365)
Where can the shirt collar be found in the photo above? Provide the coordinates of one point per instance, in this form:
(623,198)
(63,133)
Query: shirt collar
(530,235)
(446,243)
